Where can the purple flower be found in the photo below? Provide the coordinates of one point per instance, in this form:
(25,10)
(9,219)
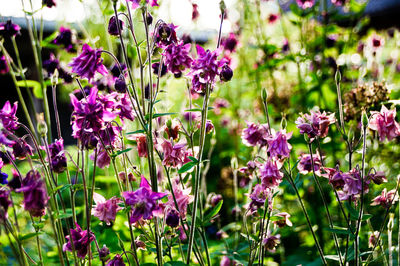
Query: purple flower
(205,68)
(105,210)
(15,182)
(49,3)
(3,138)
(104,253)
(378,177)
(143,201)
(58,160)
(51,64)
(226,73)
(226,261)
(21,149)
(136,3)
(88,118)
(88,63)
(165,34)
(5,202)
(8,29)
(8,116)
(270,175)
(278,145)
(64,38)
(315,124)
(353,185)
(35,195)
(182,197)
(259,195)
(174,155)
(3,65)
(172,218)
(271,242)
(384,122)
(177,58)
(230,43)
(113,26)
(386,199)
(3,176)
(305,164)
(120,85)
(304,4)
(156,66)
(255,134)
(81,240)
(116,261)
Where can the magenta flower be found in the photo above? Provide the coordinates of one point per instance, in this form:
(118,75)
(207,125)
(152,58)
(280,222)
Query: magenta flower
(315,124)
(182,197)
(278,145)
(105,210)
(284,219)
(8,116)
(230,42)
(49,3)
(338,179)
(88,63)
(35,195)
(174,154)
(81,240)
(58,160)
(65,39)
(3,65)
(136,3)
(384,122)
(143,201)
(304,4)
(271,242)
(5,202)
(141,142)
(116,261)
(226,261)
(8,29)
(259,195)
(270,175)
(165,34)
(305,164)
(113,26)
(255,134)
(386,199)
(353,185)
(103,160)
(21,149)
(205,68)
(177,57)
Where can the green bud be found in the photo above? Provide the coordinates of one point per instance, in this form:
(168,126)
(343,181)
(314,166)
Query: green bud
(222,6)
(234,163)
(364,119)
(54,78)
(338,76)
(41,125)
(283,122)
(264,95)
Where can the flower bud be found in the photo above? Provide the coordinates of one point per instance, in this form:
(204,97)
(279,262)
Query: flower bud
(226,73)
(113,26)
(209,126)
(338,76)
(149,19)
(215,199)
(41,126)
(120,85)
(364,119)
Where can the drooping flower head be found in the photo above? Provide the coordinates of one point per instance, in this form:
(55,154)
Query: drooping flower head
(5,202)
(205,68)
(105,210)
(35,195)
(141,142)
(113,26)
(116,261)
(81,240)
(4,69)
(315,124)
(51,64)
(58,160)
(143,201)
(182,197)
(88,63)
(305,164)
(271,242)
(353,185)
(378,177)
(8,116)
(270,175)
(386,199)
(384,122)
(304,4)
(8,29)
(278,145)
(21,149)
(259,195)
(177,57)
(165,34)
(284,219)
(65,39)
(255,134)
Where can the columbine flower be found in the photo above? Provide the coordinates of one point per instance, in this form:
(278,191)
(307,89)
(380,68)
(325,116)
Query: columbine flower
(315,124)
(337,180)
(51,64)
(205,68)
(165,34)
(226,73)
(174,155)
(273,18)
(143,201)
(271,242)
(353,185)
(177,58)
(116,261)
(88,63)
(3,65)
(284,219)
(8,116)
(372,239)
(49,3)
(172,218)
(136,3)
(105,210)
(156,67)
(182,197)
(120,85)
(172,128)
(113,26)
(270,174)
(378,177)
(225,261)
(384,122)
(304,4)
(58,159)
(195,11)
(35,195)
(278,145)
(259,195)
(255,134)
(386,199)
(141,142)
(305,164)
(229,43)
(21,149)
(8,29)
(5,202)
(64,38)
(81,240)
(104,253)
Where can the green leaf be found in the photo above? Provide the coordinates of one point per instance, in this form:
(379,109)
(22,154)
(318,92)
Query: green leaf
(186,167)
(193,159)
(61,188)
(158,115)
(37,89)
(115,154)
(136,132)
(339,230)
(29,236)
(213,212)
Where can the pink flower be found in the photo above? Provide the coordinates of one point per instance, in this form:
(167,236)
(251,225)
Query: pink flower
(305,164)
(177,58)
(304,4)
(278,145)
(174,154)
(259,195)
(384,122)
(386,199)
(273,18)
(141,141)
(315,124)
(182,197)
(255,134)
(270,174)
(284,219)
(271,242)
(105,210)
